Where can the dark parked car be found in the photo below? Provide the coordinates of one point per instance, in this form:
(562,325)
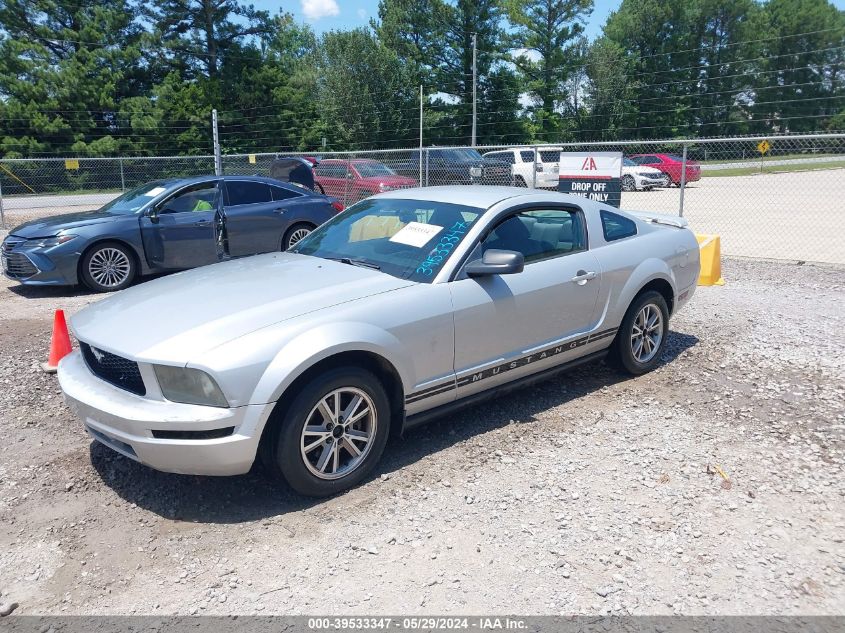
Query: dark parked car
(455,166)
(670,164)
(294,169)
(165,225)
(358,178)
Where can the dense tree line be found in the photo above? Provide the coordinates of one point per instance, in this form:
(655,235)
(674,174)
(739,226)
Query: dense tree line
(140,77)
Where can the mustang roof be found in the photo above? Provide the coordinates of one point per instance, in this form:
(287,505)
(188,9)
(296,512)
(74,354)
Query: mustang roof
(479,196)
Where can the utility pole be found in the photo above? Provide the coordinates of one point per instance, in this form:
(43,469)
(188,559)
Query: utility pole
(474,84)
(421,133)
(218,162)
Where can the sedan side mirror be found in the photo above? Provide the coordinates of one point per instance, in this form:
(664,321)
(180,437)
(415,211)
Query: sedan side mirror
(153,215)
(496,262)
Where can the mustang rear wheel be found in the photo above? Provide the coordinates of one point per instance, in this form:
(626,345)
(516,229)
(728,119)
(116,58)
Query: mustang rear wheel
(642,335)
(108,267)
(333,433)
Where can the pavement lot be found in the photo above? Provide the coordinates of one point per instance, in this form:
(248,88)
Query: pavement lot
(795,215)
(586,494)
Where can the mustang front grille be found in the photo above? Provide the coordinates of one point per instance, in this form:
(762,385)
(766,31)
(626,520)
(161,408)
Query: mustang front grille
(116,370)
(17,265)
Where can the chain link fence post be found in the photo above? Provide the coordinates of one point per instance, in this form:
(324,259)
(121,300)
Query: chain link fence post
(534,171)
(2,215)
(122,179)
(426,169)
(683,183)
(347,180)
(218,161)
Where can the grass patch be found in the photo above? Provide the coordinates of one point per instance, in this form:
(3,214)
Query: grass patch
(749,171)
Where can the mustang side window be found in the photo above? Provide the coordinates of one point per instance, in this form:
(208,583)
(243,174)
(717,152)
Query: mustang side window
(616,227)
(539,234)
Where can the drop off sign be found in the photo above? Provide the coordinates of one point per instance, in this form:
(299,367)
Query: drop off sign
(593,175)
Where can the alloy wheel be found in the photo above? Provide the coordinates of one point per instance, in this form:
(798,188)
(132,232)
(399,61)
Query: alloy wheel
(297,235)
(109,267)
(646,333)
(338,433)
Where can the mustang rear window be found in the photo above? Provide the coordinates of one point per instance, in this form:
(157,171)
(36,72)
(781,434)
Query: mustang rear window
(616,227)
(409,239)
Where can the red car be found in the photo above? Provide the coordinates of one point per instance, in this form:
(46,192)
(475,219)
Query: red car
(670,164)
(357,179)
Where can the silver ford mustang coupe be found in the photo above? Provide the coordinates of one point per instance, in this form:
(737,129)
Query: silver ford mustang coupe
(400,309)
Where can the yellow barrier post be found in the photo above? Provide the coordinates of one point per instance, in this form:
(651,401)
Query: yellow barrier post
(711,260)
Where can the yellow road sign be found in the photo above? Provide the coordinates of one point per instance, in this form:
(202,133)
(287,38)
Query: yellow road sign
(764,146)
(71,163)
(252,159)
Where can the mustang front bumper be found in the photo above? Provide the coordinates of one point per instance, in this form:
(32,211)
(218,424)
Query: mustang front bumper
(145,429)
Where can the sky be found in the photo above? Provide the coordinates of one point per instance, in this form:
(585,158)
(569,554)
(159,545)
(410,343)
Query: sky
(327,15)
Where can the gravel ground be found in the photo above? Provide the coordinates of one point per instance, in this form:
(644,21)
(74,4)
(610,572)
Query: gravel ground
(586,494)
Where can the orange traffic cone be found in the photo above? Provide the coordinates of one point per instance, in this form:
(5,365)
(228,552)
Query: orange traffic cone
(59,343)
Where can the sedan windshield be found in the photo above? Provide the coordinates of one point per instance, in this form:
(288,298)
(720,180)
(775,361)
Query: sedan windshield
(133,200)
(409,239)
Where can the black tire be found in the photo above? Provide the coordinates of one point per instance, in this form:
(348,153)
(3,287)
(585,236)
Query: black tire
(294,234)
(622,352)
(283,454)
(519,181)
(628,183)
(108,267)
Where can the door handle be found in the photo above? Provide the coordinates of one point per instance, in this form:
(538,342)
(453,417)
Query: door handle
(202,223)
(582,277)
(279,210)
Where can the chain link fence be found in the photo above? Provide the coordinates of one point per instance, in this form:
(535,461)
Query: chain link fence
(786,202)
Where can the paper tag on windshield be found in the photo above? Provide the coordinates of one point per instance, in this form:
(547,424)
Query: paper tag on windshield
(152,193)
(416,234)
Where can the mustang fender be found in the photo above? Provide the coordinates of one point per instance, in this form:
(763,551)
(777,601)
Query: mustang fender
(299,355)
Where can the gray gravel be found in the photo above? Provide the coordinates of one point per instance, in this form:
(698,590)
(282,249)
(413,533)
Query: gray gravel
(713,485)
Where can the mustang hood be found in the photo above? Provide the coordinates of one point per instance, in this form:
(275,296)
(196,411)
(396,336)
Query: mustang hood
(45,227)
(176,318)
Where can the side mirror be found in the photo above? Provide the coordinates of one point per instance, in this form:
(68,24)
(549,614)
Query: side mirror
(153,215)
(496,262)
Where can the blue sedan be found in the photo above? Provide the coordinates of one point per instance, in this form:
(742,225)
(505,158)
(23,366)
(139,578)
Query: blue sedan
(162,226)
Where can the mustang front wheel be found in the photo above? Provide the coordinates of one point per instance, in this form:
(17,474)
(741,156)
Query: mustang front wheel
(642,336)
(333,433)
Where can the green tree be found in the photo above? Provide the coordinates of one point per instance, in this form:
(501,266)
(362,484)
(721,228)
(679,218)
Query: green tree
(366,95)
(199,32)
(545,34)
(802,70)
(414,30)
(64,67)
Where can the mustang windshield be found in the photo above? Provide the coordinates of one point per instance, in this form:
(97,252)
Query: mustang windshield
(409,239)
(133,200)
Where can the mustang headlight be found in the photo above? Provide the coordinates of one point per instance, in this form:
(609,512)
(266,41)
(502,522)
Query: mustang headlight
(49,242)
(189,386)
(383,187)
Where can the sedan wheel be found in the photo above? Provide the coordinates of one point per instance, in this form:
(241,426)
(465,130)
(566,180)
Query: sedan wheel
(642,336)
(628,183)
(108,267)
(332,433)
(296,233)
